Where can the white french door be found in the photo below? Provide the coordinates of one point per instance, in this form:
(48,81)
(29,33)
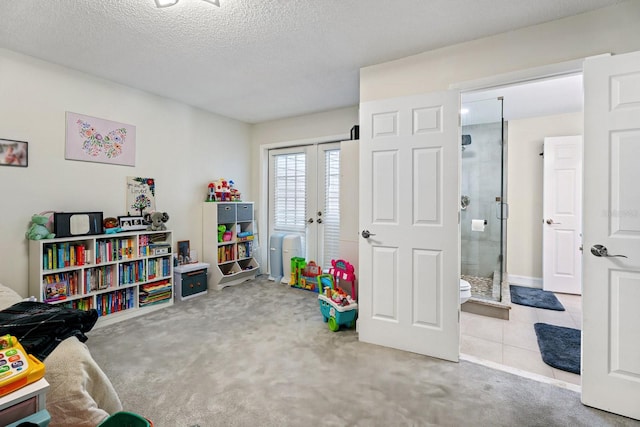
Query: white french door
(304,197)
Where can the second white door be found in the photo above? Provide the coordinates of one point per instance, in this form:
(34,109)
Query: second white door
(562,215)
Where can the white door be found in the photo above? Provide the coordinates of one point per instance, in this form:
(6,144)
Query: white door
(611,285)
(409,199)
(562,215)
(304,197)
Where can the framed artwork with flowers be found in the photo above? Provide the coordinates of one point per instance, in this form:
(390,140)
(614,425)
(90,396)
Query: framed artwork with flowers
(141,195)
(91,139)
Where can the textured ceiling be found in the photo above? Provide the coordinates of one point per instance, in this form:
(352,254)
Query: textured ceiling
(256,60)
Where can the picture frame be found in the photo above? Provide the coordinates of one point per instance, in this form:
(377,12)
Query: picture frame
(131,223)
(184,252)
(92,139)
(14,153)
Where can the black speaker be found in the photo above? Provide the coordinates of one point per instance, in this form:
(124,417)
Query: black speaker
(69,224)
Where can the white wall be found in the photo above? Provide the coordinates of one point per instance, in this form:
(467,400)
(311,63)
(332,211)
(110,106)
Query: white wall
(524,190)
(183,148)
(614,29)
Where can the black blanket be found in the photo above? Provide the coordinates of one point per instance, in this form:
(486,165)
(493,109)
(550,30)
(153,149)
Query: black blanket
(40,327)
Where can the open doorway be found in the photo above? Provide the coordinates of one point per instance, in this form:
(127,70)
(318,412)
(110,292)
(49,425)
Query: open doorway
(532,111)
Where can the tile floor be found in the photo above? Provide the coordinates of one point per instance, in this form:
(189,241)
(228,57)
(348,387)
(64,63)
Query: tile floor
(513,342)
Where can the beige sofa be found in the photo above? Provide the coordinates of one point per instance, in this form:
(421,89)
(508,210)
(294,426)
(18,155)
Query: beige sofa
(80,394)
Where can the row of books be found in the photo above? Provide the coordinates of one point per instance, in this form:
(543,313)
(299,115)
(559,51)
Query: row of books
(154,293)
(112,302)
(226,253)
(79,304)
(116,249)
(61,255)
(59,286)
(132,272)
(158,267)
(99,278)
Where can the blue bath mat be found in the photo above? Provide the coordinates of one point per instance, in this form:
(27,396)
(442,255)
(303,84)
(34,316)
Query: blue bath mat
(534,297)
(559,346)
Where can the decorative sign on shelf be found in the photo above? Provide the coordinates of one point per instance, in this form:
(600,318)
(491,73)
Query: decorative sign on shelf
(91,139)
(141,195)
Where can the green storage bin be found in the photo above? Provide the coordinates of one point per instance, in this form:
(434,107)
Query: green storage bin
(125,419)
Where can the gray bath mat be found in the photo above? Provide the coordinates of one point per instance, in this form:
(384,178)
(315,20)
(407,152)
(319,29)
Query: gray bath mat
(534,297)
(559,346)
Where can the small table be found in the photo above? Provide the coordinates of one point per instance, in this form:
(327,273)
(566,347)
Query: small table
(23,402)
(190,280)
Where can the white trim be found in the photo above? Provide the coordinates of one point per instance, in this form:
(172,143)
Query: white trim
(521,373)
(522,76)
(531,282)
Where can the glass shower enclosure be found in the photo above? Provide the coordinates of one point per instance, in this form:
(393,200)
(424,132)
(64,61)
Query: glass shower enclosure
(482,201)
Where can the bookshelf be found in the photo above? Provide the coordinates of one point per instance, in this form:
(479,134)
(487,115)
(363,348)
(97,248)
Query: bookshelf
(230,255)
(121,275)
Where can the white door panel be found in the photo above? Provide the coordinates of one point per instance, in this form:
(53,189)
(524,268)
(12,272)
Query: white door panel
(409,267)
(562,214)
(611,285)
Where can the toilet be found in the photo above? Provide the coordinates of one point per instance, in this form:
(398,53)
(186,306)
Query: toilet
(465,291)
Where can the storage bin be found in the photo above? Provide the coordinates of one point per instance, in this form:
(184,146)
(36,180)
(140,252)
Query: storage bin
(245,212)
(226,213)
(125,419)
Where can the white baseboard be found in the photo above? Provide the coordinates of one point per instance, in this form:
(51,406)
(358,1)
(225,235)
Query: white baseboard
(531,282)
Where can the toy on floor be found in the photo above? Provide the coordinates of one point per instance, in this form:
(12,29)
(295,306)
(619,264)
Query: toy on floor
(337,307)
(343,271)
(304,275)
(19,368)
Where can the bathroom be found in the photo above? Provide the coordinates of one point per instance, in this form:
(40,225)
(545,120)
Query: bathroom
(483,209)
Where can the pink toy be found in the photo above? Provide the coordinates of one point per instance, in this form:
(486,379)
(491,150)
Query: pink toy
(343,271)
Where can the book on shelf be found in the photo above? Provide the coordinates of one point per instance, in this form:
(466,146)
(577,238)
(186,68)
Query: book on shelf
(56,291)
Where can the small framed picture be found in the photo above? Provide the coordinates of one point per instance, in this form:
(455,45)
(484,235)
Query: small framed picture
(131,223)
(14,153)
(184,252)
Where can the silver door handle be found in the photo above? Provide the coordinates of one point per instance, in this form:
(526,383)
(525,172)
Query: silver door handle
(366,234)
(550,222)
(602,251)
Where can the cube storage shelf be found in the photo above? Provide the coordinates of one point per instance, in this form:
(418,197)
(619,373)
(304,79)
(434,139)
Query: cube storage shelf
(232,259)
(121,275)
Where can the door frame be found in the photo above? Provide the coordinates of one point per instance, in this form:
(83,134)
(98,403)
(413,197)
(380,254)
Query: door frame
(262,205)
(523,76)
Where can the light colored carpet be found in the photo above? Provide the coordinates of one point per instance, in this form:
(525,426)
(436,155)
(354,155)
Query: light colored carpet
(259,354)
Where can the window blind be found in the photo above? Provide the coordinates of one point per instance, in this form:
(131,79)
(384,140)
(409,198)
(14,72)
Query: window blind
(331,217)
(290,192)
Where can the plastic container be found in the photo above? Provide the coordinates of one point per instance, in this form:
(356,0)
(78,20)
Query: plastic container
(125,419)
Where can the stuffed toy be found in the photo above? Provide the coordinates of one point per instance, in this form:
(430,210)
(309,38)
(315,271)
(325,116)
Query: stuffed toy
(156,220)
(38,229)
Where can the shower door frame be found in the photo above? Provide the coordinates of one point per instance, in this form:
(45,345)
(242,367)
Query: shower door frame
(503,206)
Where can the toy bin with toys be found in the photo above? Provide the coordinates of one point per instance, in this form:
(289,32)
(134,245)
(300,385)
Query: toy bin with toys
(337,307)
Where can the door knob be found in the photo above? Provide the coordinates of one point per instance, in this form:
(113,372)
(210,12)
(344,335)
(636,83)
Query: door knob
(602,251)
(366,234)
(319,220)
(550,221)
(310,220)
